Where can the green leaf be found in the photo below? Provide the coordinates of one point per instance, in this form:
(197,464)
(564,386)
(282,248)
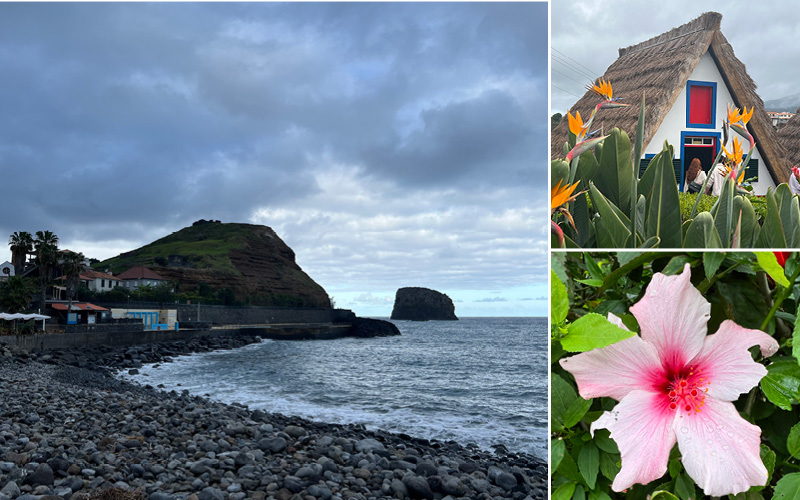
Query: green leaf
(796,336)
(614,176)
(702,233)
(793,441)
(788,488)
(790,215)
(684,487)
(592,267)
(559,302)
(769,263)
(769,459)
(771,234)
(637,143)
(565,491)
(589,463)
(579,494)
(674,468)
(559,171)
(603,441)
(711,262)
(663,495)
(676,264)
(663,206)
(598,495)
(576,411)
(609,465)
(743,302)
(557,450)
(724,219)
(615,227)
(561,397)
(593,331)
(591,282)
(748,232)
(781,385)
(722,212)
(569,468)
(785,316)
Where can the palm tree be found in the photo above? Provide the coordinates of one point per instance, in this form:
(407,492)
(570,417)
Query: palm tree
(21,244)
(72,266)
(15,295)
(46,250)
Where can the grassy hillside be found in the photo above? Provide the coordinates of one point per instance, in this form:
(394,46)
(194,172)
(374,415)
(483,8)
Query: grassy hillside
(204,246)
(248,261)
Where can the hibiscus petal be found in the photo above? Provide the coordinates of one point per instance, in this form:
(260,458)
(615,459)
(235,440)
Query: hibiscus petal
(721,450)
(725,364)
(616,370)
(642,426)
(673,317)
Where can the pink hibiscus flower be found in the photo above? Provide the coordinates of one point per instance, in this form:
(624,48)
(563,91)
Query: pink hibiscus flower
(675,384)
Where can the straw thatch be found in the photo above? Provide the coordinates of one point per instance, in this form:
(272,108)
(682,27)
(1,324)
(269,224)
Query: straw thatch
(659,68)
(789,137)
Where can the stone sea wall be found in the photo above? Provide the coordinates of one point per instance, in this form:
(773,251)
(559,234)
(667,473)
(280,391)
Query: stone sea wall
(244,315)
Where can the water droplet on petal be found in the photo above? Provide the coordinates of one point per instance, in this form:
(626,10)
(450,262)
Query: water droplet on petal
(685,430)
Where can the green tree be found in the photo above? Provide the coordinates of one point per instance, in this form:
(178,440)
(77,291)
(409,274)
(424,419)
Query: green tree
(15,294)
(163,292)
(555,120)
(46,249)
(21,243)
(72,266)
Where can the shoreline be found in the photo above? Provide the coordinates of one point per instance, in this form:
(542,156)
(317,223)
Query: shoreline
(192,447)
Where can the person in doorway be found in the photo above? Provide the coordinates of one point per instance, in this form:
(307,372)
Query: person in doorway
(717,180)
(794,180)
(694,177)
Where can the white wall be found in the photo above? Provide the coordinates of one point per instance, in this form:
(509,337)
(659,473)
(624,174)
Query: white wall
(675,121)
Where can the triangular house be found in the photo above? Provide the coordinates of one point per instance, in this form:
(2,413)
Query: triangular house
(789,137)
(688,75)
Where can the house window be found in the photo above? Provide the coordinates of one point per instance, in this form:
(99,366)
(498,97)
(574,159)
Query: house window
(102,283)
(701,104)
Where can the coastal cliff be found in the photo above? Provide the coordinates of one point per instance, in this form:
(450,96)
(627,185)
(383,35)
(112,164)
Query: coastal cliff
(250,260)
(422,304)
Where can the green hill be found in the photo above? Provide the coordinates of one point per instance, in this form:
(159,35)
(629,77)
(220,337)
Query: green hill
(249,259)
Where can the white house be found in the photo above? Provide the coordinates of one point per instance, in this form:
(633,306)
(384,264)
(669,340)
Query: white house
(138,276)
(688,76)
(99,282)
(6,270)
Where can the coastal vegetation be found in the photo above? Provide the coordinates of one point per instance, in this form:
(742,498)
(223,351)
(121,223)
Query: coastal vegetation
(619,206)
(204,246)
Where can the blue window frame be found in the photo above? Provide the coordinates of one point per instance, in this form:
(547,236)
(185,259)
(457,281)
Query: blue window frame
(685,133)
(706,91)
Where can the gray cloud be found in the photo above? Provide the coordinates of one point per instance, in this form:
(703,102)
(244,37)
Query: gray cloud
(382,141)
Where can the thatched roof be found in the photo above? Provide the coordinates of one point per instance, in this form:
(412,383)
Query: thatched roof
(659,68)
(789,137)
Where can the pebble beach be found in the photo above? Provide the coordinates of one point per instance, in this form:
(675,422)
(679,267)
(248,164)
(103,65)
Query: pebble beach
(70,429)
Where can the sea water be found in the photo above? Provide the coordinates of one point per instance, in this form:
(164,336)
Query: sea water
(476,380)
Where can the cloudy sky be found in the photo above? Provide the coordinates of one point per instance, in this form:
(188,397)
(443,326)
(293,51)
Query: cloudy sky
(389,145)
(587,34)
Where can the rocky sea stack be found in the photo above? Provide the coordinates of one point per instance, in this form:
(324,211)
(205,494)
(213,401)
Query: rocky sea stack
(422,304)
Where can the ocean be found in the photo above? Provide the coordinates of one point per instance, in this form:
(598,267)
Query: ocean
(476,380)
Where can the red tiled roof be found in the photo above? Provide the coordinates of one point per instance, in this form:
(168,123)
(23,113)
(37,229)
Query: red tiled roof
(90,275)
(140,272)
(83,306)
